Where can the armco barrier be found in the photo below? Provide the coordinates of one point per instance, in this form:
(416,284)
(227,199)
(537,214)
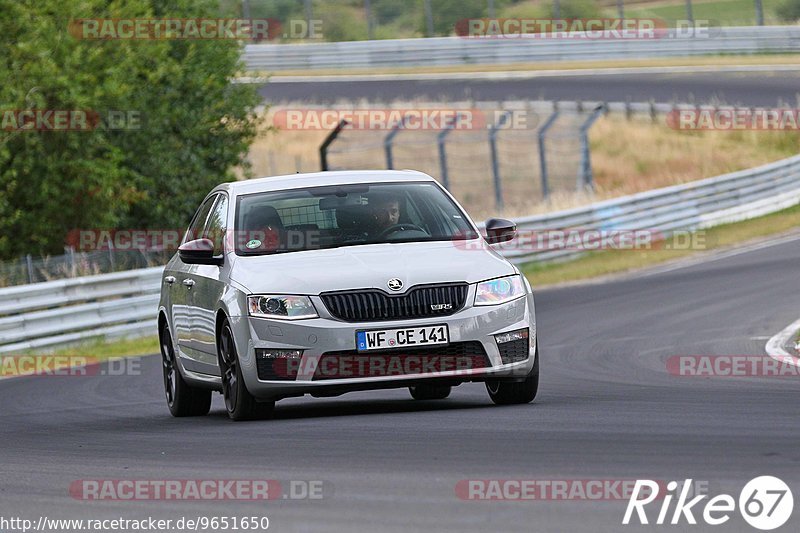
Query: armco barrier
(449,51)
(125,303)
(69,310)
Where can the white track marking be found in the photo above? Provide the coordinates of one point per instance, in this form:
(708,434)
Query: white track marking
(774,347)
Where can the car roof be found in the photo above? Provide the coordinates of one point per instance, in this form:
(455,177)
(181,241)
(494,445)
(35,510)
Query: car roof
(316,179)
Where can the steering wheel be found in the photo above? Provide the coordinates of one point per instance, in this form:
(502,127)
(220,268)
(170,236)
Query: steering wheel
(399,227)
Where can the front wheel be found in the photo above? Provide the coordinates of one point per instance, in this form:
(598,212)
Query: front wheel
(182,399)
(516,392)
(240,404)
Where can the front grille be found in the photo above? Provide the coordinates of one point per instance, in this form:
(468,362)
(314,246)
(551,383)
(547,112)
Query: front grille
(513,351)
(382,363)
(418,302)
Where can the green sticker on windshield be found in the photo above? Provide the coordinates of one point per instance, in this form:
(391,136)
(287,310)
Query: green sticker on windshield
(255,243)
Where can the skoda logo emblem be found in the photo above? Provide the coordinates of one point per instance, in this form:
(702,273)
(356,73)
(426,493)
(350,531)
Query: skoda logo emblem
(395,284)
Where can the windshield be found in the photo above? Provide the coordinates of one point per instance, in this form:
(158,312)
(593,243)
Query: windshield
(347,215)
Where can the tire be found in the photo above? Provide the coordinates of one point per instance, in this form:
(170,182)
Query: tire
(430,392)
(182,399)
(239,403)
(516,392)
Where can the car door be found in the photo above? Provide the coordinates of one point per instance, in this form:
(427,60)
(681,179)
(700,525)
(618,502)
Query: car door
(181,289)
(207,291)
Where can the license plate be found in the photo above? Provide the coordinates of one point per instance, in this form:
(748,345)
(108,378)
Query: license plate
(402,338)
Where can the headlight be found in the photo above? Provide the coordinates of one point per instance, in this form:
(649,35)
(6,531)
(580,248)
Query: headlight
(499,291)
(281,307)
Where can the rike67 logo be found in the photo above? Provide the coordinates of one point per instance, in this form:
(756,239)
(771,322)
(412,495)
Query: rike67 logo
(765,503)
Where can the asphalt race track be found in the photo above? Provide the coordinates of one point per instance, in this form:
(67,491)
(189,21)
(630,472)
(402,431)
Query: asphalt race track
(607,409)
(743,88)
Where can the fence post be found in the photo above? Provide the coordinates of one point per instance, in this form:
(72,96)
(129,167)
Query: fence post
(70,252)
(29,262)
(428,17)
(323,148)
(759,13)
(309,17)
(111,255)
(493,131)
(586,179)
(542,155)
(368,15)
(387,142)
(440,139)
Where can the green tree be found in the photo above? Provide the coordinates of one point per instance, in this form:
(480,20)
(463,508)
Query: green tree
(195,126)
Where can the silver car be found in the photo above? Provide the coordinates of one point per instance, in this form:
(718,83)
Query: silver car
(334,282)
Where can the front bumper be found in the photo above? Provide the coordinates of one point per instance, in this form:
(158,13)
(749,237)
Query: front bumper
(325,334)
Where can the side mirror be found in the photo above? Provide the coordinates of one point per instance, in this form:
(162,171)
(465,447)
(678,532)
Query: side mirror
(500,230)
(199,252)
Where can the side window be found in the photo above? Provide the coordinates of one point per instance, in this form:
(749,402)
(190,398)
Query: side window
(217,224)
(199,221)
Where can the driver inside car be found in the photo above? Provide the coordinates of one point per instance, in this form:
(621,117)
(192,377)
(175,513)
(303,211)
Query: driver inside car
(385,211)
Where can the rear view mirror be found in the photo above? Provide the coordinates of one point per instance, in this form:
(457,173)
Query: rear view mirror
(199,252)
(334,202)
(500,230)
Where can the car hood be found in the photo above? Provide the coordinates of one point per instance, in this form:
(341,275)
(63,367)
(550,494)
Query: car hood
(369,266)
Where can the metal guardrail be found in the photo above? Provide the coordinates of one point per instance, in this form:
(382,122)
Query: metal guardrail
(449,51)
(124,303)
(69,310)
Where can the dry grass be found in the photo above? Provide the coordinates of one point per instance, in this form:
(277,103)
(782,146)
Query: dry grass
(628,156)
(637,155)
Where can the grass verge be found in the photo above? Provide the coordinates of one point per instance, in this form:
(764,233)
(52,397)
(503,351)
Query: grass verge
(91,352)
(102,349)
(601,263)
(719,12)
